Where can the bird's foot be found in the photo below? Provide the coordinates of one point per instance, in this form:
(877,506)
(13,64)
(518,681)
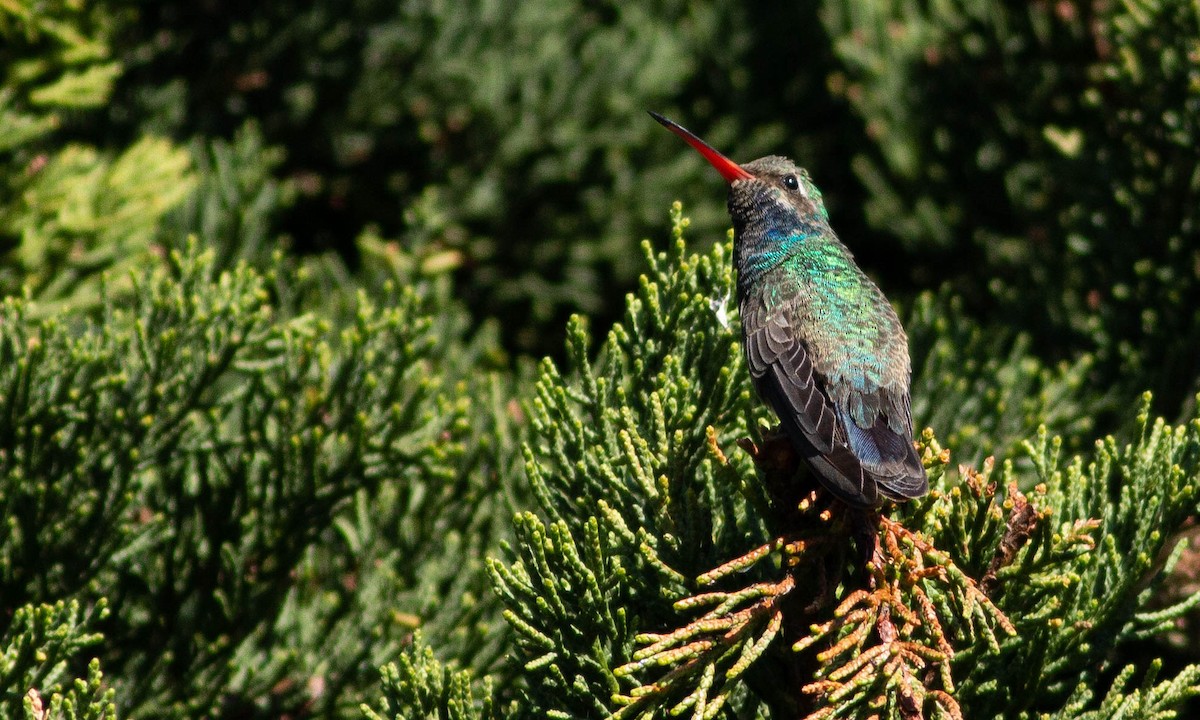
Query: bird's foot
(776,454)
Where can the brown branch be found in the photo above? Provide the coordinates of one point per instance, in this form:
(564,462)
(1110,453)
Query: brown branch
(1022,521)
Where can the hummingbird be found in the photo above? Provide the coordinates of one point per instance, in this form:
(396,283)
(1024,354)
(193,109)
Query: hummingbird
(824,346)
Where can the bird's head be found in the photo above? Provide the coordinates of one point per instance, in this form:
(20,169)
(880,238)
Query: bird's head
(762,187)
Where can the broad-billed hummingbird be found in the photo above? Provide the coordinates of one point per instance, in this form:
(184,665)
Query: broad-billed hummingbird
(824,347)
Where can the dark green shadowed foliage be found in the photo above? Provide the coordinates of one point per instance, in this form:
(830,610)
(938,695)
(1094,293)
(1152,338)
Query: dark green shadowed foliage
(1043,157)
(246,488)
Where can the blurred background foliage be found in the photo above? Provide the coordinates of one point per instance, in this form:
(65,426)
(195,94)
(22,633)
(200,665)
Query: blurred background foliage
(1039,158)
(518,128)
(1022,179)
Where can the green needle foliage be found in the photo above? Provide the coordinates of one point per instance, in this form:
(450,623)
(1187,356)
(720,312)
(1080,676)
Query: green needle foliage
(85,700)
(239,476)
(1002,391)
(69,212)
(37,648)
(421,687)
(624,471)
(247,490)
(642,586)
(1061,156)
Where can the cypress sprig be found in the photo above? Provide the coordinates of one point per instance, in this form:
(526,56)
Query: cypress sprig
(882,641)
(1147,699)
(417,685)
(36,650)
(85,700)
(1002,390)
(559,596)
(721,644)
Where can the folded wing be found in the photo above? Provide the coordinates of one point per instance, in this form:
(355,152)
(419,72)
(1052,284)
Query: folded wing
(858,440)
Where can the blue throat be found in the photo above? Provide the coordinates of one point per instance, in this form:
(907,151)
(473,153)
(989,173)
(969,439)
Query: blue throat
(775,246)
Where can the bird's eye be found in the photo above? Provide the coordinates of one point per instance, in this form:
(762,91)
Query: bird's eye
(790,182)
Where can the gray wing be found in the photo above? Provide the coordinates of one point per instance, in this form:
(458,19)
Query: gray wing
(857,441)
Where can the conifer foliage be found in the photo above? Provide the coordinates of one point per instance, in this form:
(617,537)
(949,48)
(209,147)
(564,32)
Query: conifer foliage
(243,481)
(642,586)
(219,474)
(70,211)
(1062,157)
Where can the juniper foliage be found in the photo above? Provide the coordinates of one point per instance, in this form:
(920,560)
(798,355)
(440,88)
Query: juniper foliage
(241,480)
(38,648)
(84,700)
(1062,157)
(244,489)
(513,124)
(642,586)
(69,211)
(986,391)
